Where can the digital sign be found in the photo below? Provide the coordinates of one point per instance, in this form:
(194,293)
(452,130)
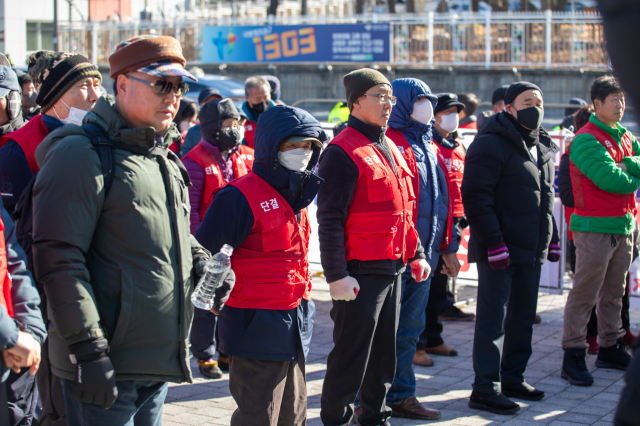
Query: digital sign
(296,43)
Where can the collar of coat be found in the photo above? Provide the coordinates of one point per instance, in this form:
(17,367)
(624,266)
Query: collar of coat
(119,130)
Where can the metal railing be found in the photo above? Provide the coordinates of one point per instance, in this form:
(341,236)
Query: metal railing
(505,39)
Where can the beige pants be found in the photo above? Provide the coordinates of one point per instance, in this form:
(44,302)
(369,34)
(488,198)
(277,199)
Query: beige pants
(601,270)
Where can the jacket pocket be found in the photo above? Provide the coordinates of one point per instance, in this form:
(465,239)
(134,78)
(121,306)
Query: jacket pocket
(379,189)
(277,239)
(126,305)
(372,237)
(275,285)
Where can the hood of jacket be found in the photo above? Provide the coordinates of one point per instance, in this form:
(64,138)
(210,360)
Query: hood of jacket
(407,91)
(499,124)
(12,125)
(105,116)
(275,125)
(250,115)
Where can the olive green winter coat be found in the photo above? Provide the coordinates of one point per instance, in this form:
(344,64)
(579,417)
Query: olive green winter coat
(122,266)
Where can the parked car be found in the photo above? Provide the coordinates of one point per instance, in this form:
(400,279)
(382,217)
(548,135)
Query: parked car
(227,86)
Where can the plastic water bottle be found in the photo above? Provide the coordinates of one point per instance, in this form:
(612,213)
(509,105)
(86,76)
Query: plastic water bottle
(214,271)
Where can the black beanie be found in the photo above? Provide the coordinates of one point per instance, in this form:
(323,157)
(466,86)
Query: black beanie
(516,88)
(212,114)
(23,77)
(357,82)
(56,72)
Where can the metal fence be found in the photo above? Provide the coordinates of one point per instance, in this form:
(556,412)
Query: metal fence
(530,39)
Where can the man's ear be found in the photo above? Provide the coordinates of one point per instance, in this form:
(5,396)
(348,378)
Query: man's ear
(121,83)
(597,104)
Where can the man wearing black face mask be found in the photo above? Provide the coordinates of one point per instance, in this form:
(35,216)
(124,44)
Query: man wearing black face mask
(507,193)
(258,100)
(216,160)
(266,322)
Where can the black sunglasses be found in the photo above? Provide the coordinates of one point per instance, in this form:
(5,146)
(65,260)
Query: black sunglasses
(164,87)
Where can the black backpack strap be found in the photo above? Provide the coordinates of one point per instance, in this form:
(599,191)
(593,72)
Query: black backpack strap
(104,148)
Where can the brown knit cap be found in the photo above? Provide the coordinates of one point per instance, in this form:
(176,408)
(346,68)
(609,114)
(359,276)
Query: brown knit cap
(357,82)
(140,51)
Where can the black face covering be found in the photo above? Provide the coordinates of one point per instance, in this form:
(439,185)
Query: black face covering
(227,139)
(530,118)
(30,101)
(259,108)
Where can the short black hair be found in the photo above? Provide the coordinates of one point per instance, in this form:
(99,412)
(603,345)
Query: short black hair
(115,87)
(603,87)
(470,102)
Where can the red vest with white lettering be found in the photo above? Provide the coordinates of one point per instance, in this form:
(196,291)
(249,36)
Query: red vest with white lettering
(249,133)
(213,178)
(453,160)
(28,137)
(591,201)
(271,264)
(5,277)
(380,221)
(407,153)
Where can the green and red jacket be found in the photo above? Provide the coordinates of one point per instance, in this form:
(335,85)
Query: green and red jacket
(594,169)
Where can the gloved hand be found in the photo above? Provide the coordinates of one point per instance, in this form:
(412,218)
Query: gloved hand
(94,380)
(222,293)
(499,256)
(420,270)
(554,252)
(345,289)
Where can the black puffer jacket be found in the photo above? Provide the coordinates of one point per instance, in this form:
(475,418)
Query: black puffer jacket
(506,196)
(564,182)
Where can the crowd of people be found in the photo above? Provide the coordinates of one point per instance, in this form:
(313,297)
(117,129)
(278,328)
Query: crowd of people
(120,200)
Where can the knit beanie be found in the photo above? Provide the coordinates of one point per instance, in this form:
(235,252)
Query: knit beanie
(357,82)
(23,77)
(140,51)
(516,88)
(56,72)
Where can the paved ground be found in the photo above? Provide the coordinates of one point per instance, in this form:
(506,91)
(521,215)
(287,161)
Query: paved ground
(445,386)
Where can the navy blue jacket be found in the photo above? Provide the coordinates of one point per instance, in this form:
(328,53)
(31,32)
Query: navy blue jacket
(192,139)
(433,201)
(15,173)
(24,295)
(265,334)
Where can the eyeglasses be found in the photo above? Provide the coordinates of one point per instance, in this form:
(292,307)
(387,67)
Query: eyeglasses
(383,98)
(164,87)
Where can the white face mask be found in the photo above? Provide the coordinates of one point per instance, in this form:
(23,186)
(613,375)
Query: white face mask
(296,159)
(76,115)
(241,132)
(449,122)
(422,111)
(185,125)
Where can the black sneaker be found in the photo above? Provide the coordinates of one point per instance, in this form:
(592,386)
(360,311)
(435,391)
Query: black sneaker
(615,356)
(522,391)
(452,313)
(574,369)
(493,402)
(209,368)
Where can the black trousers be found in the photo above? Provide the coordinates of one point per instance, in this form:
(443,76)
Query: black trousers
(592,325)
(439,298)
(21,398)
(50,388)
(203,334)
(364,353)
(507,302)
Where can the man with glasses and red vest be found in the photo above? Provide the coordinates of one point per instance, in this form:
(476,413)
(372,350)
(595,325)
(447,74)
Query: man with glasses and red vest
(266,320)
(605,175)
(68,86)
(22,330)
(367,237)
(216,160)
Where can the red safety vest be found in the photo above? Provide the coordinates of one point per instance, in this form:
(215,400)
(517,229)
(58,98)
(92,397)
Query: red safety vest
(249,133)
(470,125)
(453,160)
(5,277)
(271,264)
(407,153)
(380,222)
(591,201)
(28,137)
(242,164)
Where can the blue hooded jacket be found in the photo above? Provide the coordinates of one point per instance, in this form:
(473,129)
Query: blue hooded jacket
(265,334)
(433,199)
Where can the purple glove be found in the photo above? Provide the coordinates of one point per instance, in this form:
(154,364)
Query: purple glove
(499,256)
(554,252)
